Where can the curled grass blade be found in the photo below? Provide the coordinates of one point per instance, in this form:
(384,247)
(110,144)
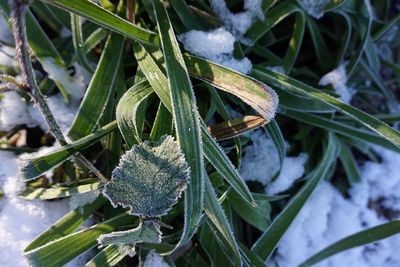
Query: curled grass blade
(127,115)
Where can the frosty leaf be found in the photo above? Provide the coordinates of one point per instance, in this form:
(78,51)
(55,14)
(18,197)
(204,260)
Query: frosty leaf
(149,178)
(147,231)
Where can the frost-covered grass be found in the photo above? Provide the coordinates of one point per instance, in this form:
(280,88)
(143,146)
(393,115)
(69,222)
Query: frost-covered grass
(156,139)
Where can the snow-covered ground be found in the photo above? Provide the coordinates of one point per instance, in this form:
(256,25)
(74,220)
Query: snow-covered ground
(328,216)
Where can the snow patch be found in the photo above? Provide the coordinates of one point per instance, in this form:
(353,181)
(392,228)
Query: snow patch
(338,78)
(292,169)
(240,22)
(79,200)
(328,217)
(261,163)
(21,220)
(63,113)
(153,259)
(315,8)
(75,86)
(13,111)
(216,45)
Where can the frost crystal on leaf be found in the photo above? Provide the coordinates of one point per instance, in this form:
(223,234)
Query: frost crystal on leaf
(147,231)
(149,178)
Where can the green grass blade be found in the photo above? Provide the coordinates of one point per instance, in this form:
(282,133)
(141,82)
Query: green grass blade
(162,124)
(66,225)
(363,20)
(58,192)
(212,150)
(258,216)
(127,115)
(295,42)
(357,115)
(66,248)
(321,49)
(79,44)
(358,239)
(342,128)
(33,168)
(216,215)
(110,256)
(296,102)
(95,38)
(268,241)
(106,19)
(251,257)
(275,15)
(254,93)
(349,164)
(186,120)
(99,90)
(276,135)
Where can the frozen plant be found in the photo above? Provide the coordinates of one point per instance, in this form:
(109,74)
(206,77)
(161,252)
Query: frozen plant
(148,180)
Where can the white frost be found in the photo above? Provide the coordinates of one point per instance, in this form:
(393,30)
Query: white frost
(216,45)
(261,163)
(338,78)
(153,259)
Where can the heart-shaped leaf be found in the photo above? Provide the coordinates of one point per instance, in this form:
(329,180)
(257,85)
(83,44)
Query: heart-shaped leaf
(149,178)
